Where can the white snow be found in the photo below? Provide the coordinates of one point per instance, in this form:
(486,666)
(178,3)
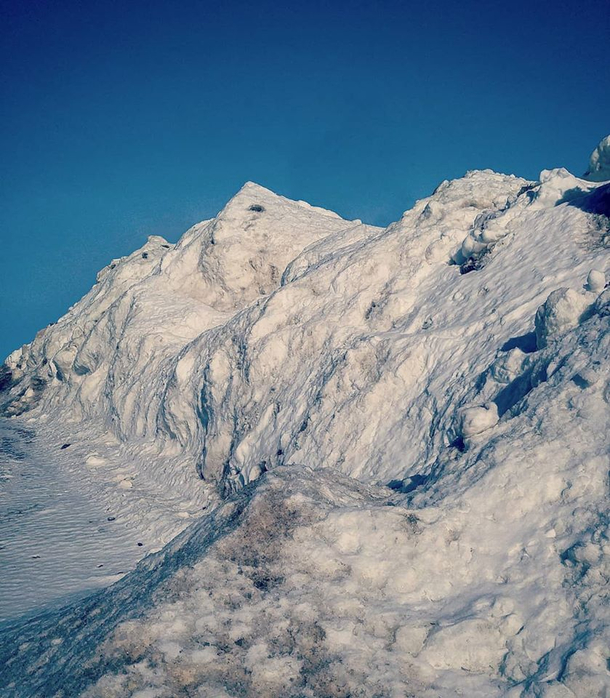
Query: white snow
(561,311)
(599,163)
(596,281)
(300,364)
(67,524)
(477,419)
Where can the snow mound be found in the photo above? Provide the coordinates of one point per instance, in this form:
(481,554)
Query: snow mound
(278,332)
(399,436)
(599,163)
(489,581)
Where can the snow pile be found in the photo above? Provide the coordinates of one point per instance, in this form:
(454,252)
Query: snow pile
(278,333)
(147,306)
(101,372)
(599,163)
(489,581)
(402,438)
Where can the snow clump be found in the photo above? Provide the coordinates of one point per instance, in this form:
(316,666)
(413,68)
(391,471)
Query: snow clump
(477,419)
(562,310)
(596,281)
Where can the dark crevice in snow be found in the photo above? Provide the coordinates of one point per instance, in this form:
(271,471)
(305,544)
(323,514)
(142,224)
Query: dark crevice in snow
(525,342)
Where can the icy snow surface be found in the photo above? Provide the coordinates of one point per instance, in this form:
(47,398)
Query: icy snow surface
(393,441)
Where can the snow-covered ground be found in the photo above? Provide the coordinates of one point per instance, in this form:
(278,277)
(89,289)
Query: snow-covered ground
(54,539)
(393,441)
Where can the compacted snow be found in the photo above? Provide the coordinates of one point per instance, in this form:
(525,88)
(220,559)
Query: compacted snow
(393,443)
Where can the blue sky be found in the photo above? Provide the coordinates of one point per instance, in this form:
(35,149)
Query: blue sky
(124,119)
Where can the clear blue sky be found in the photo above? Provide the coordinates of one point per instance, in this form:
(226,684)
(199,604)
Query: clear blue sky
(121,119)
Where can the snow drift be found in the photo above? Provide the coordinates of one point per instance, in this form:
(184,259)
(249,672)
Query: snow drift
(400,435)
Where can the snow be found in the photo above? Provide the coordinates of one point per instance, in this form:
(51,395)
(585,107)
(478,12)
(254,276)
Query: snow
(477,419)
(561,311)
(372,461)
(68,525)
(599,163)
(54,540)
(596,281)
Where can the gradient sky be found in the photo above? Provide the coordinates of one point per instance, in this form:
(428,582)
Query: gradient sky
(124,119)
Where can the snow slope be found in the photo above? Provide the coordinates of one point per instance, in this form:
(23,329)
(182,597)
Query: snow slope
(409,424)
(55,539)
